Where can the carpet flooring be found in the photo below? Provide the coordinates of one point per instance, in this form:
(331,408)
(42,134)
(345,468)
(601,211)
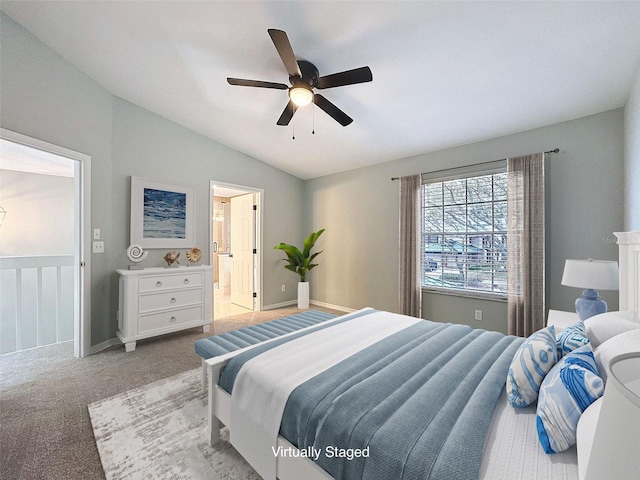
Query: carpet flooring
(45,430)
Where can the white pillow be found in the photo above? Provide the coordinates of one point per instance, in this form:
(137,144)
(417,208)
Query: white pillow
(626,342)
(601,328)
(567,390)
(585,434)
(531,362)
(571,338)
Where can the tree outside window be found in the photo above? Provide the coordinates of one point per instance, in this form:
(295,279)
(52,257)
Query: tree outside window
(464,234)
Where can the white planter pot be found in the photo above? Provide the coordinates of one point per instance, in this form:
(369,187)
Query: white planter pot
(303,295)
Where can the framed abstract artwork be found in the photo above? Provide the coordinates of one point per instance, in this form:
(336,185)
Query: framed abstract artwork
(162,214)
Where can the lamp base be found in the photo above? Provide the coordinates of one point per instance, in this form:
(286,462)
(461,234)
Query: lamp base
(590,304)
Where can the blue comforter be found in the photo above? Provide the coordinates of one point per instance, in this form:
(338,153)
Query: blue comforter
(421,400)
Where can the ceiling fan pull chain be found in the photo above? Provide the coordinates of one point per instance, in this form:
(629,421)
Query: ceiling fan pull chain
(313,119)
(293,127)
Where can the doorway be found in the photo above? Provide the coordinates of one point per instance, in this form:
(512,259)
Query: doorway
(235,249)
(43,261)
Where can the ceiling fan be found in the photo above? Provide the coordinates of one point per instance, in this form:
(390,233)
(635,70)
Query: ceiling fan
(304,77)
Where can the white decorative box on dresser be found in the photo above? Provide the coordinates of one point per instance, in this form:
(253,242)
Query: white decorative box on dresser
(155,301)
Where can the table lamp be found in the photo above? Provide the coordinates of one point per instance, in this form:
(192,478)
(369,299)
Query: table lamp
(614,453)
(591,275)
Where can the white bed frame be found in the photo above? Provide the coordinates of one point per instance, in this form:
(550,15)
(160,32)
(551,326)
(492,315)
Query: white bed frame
(295,468)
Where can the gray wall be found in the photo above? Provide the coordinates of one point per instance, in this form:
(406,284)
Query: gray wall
(359,209)
(147,145)
(45,97)
(632,158)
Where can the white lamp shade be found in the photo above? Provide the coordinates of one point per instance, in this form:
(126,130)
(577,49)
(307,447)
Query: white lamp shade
(595,274)
(615,452)
(301,96)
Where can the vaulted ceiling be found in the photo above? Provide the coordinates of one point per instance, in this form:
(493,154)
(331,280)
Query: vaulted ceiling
(444,73)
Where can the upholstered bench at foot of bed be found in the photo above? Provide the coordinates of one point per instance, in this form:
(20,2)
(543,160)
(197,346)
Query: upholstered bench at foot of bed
(228,342)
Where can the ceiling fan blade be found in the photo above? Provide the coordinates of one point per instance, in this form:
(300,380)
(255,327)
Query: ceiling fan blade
(331,110)
(283,46)
(348,77)
(287,114)
(256,83)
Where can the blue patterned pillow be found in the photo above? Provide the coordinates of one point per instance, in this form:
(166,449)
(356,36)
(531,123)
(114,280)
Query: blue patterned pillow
(530,364)
(570,387)
(572,337)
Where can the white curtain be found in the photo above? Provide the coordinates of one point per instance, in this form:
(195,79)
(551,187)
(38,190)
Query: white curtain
(410,285)
(525,244)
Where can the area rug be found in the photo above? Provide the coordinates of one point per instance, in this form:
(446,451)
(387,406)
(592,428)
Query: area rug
(159,432)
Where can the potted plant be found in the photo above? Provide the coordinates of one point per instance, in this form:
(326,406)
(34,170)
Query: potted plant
(300,263)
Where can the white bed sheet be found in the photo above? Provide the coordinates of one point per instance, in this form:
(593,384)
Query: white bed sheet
(512,450)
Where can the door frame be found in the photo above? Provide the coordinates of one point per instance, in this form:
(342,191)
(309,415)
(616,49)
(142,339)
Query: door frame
(82,215)
(258,229)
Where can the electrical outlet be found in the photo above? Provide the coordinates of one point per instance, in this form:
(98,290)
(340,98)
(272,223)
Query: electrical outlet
(478,315)
(98,247)
(284,288)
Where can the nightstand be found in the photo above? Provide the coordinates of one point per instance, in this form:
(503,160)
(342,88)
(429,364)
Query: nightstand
(561,320)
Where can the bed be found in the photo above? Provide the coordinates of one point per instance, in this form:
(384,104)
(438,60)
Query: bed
(264,392)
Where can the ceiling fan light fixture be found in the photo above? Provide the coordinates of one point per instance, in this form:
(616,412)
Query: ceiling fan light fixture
(300,95)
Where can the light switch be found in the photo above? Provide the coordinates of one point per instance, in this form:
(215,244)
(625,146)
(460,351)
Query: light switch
(96,234)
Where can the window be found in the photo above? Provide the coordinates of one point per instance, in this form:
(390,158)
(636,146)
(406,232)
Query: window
(464,231)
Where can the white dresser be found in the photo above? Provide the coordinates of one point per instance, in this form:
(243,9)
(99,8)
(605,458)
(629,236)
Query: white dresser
(155,301)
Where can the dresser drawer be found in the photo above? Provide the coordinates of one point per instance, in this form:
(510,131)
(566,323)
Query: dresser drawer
(156,283)
(163,320)
(173,299)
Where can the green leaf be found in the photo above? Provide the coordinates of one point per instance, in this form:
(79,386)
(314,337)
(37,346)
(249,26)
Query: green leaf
(293,268)
(315,255)
(310,242)
(289,249)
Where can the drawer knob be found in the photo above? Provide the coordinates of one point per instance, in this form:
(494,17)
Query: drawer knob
(186,281)
(173,300)
(158,284)
(172,319)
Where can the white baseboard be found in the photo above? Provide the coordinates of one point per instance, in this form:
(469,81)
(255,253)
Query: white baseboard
(279,305)
(104,345)
(332,306)
(312,302)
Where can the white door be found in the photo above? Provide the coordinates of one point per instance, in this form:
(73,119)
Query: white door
(51,305)
(242,250)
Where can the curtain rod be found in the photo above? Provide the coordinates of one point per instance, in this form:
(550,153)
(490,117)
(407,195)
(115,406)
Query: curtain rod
(555,150)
